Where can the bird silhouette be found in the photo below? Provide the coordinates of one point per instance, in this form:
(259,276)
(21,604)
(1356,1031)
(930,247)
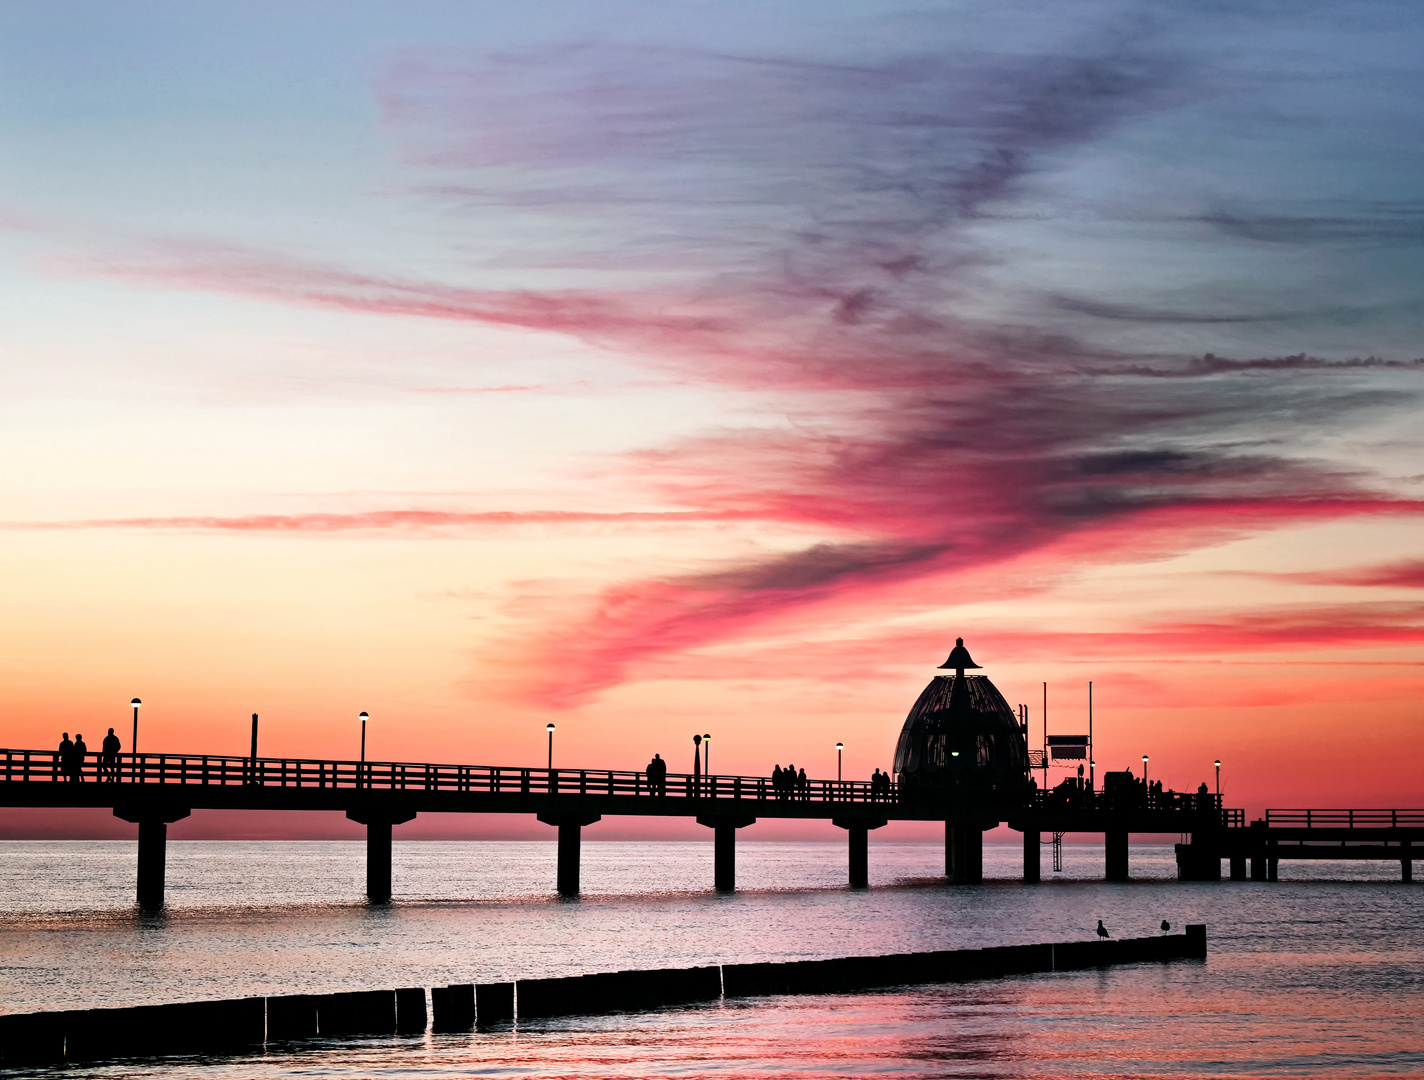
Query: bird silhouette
(1102,930)
(1166,926)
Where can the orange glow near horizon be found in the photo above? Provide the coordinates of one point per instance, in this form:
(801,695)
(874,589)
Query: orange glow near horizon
(665,386)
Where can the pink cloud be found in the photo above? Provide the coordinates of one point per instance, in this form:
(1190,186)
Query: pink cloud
(384,520)
(831,254)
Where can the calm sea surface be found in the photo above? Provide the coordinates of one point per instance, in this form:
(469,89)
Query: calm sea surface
(1320,974)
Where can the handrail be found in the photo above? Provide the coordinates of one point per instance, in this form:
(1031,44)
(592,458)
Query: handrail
(1346,819)
(1173,802)
(150,770)
(215,770)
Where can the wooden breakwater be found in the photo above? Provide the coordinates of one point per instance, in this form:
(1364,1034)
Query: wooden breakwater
(243,1024)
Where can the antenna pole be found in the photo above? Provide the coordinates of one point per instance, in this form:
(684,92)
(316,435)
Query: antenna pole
(1045,736)
(1091,760)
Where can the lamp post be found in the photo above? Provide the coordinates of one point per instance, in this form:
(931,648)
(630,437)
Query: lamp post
(1218,780)
(707,755)
(361,769)
(839,747)
(1092,766)
(133,742)
(1144,769)
(550,729)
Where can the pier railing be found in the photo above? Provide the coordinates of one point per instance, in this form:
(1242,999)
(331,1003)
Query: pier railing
(1165,802)
(45,766)
(1346,819)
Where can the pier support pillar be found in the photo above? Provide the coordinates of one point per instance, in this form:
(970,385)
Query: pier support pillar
(724,849)
(1238,868)
(152,848)
(964,852)
(1200,860)
(1032,857)
(570,828)
(1258,850)
(378,824)
(1115,843)
(857,837)
(1406,864)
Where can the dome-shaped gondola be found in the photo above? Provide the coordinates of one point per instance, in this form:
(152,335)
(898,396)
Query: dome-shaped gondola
(962,733)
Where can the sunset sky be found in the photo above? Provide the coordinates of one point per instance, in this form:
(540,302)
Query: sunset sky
(661,368)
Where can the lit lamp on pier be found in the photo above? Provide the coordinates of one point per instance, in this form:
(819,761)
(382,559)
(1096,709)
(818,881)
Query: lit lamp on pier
(133,742)
(364,718)
(707,755)
(550,729)
(1144,768)
(1218,778)
(839,747)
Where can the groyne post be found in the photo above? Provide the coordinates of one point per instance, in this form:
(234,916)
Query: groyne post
(153,825)
(858,843)
(1406,863)
(570,828)
(724,848)
(378,822)
(1115,845)
(1033,867)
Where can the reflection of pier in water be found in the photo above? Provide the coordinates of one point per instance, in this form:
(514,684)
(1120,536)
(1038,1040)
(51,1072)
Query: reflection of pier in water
(962,759)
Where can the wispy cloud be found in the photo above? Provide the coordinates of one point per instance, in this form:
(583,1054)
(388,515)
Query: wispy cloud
(828,217)
(388,520)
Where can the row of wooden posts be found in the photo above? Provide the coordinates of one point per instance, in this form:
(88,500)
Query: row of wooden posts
(244,1024)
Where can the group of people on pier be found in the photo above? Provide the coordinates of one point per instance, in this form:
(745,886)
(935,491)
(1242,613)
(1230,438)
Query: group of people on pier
(72,753)
(787,783)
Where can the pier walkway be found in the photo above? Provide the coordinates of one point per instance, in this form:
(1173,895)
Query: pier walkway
(154,790)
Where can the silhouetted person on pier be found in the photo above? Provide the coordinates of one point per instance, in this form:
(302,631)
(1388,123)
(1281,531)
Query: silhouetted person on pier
(776,781)
(79,752)
(1102,930)
(66,756)
(803,785)
(657,775)
(109,763)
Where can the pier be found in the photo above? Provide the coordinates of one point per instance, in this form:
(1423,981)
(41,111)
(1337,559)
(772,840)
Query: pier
(155,790)
(962,759)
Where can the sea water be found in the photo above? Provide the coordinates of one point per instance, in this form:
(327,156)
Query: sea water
(1321,973)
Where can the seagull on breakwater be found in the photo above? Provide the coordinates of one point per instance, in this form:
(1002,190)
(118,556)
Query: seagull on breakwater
(1102,930)
(1166,926)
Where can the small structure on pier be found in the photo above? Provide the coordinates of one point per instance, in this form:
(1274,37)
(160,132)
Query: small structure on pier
(962,734)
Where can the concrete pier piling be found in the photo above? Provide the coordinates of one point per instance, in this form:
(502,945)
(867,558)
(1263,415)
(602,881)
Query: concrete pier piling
(379,821)
(1115,845)
(963,852)
(858,847)
(153,822)
(724,848)
(570,828)
(1032,856)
